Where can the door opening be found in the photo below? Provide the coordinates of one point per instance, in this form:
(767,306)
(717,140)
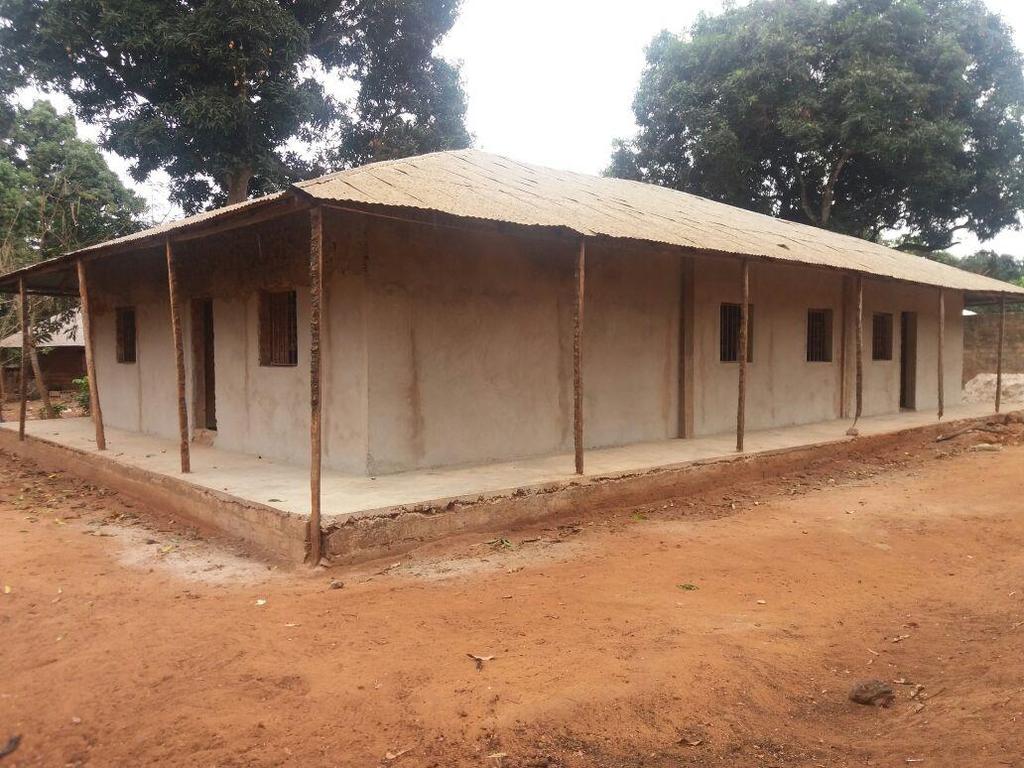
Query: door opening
(908,360)
(204,382)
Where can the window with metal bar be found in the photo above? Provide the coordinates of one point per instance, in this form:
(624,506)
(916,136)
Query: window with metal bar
(124,330)
(819,335)
(881,336)
(278,332)
(729,337)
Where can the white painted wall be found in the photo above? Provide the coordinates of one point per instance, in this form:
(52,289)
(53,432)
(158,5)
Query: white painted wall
(260,409)
(631,346)
(444,347)
(783,388)
(345,391)
(118,384)
(468,347)
(134,396)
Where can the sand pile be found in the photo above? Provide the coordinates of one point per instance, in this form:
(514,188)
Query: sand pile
(982,388)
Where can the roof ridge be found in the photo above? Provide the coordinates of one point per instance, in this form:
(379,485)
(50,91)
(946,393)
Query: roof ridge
(660,212)
(377,164)
(476,184)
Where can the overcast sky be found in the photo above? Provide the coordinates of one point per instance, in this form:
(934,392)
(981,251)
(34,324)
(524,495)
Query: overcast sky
(552,81)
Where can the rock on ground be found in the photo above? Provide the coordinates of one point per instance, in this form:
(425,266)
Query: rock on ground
(877,693)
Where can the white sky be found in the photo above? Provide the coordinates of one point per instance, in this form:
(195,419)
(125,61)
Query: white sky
(552,81)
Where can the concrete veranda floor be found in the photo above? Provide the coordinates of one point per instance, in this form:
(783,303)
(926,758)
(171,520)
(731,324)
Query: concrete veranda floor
(286,486)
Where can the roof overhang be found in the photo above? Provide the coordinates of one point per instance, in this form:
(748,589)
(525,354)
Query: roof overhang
(474,190)
(975,298)
(59,277)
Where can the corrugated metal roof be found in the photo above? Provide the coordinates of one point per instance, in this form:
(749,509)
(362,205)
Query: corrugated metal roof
(68,335)
(142,238)
(479,185)
(170,227)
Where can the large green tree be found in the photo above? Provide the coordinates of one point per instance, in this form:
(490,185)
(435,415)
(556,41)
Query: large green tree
(56,194)
(861,116)
(219,92)
(1001,266)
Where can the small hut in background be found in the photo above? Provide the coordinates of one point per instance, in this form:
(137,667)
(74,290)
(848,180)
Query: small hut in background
(61,356)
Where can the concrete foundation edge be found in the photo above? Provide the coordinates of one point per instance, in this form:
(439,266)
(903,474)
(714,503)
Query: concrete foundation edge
(396,530)
(270,531)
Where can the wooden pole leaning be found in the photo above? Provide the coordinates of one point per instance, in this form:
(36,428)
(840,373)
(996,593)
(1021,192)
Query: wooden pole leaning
(577,357)
(316,284)
(179,356)
(942,347)
(90,357)
(22,383)
(999,351)
(744,345)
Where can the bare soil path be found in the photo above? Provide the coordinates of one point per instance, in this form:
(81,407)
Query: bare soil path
(718,630)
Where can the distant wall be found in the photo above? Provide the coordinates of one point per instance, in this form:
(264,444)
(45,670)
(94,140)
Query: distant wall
(981,337)
(61,366)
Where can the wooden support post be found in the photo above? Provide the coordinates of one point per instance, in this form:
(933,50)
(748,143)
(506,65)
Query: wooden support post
(316,286)
(843,354)
(942,346)
(179,356)
(577,358)
(741,400)
(90,358)
(22,383)
(681,393)
(859,342)
(999,351)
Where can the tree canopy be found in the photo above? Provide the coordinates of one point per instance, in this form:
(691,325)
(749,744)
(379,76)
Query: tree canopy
(1001,266)
(862,116)
(217,92)
(56,191)
(56,194)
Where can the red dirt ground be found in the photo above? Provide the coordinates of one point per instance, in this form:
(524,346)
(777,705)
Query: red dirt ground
(719,630)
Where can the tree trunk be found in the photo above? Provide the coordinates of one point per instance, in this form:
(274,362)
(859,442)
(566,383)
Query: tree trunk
(828,194)
(3,385)
(237,182)
(46,411)
(805,201)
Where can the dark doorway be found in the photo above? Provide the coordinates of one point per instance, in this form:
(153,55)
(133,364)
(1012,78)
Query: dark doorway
(204,380)
(908,360)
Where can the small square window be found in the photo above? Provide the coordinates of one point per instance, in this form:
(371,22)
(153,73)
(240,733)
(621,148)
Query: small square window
(729,340)
(278,332)
(881,336)
(819,335)
(124,329)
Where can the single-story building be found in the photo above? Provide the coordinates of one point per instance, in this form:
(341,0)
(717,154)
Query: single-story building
(461,308)
(61,355)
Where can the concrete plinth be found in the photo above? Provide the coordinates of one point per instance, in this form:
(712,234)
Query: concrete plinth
(266,502)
